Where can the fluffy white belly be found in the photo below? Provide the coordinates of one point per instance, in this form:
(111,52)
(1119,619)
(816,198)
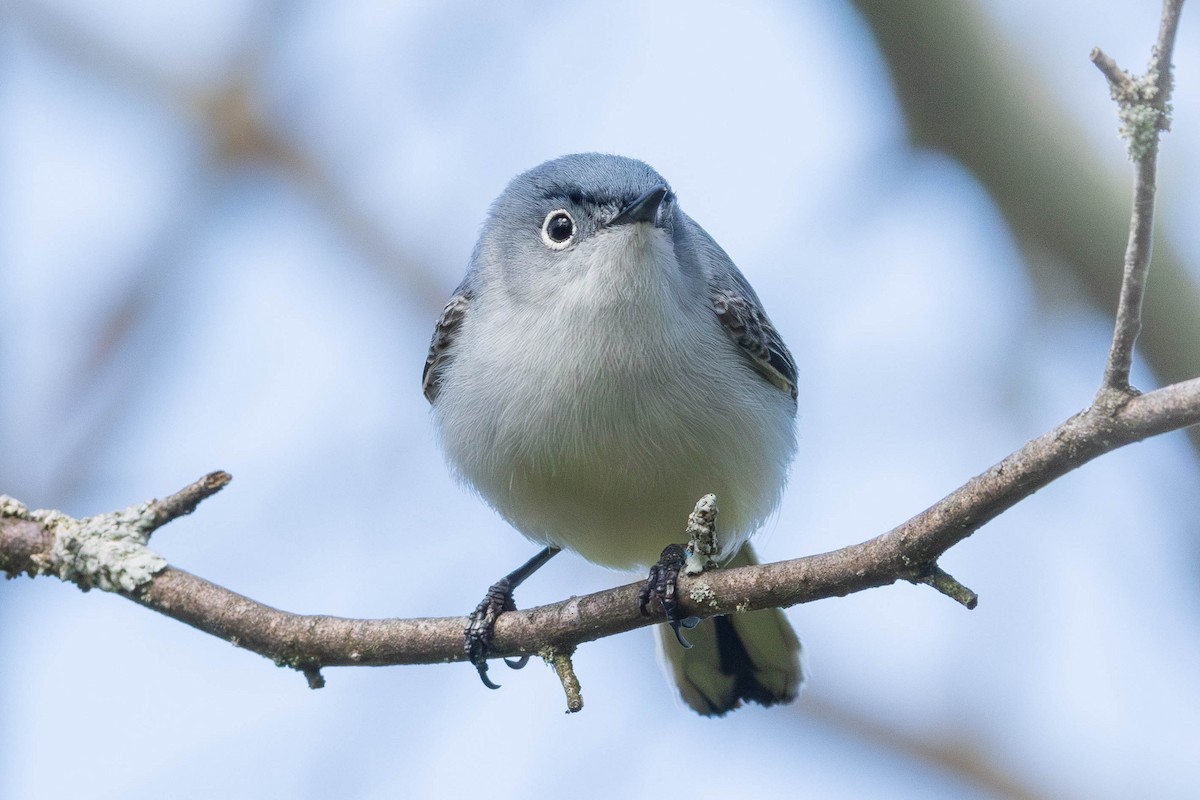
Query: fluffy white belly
(601,444)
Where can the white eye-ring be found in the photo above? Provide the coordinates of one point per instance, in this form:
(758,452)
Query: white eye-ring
(558,231)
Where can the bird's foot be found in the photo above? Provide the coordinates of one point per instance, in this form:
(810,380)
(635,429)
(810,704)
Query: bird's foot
(660,588)
(477,637)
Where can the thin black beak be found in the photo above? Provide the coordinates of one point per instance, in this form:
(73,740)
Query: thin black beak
(644,209)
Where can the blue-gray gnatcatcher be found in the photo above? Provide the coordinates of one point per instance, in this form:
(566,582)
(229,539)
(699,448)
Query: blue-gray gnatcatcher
(601,367)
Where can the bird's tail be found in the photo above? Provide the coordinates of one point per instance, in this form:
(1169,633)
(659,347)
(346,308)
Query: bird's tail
(751,656)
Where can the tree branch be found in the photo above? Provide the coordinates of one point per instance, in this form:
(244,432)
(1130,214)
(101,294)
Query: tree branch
(1143,104)
(907,552)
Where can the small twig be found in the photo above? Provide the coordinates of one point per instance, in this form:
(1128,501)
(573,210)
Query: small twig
(945,583)
(560,659)
(1117,77)
(314,677)
(185,500)
(1143,104)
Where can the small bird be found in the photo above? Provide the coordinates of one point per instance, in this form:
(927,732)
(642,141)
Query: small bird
(602,366)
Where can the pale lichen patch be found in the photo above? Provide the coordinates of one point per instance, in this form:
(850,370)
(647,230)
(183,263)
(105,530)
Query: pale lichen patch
(702,544)
(107,551)
(702,593)
(11,507)
(1143,115)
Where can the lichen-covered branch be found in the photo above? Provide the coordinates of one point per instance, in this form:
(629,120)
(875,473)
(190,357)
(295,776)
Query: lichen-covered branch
(108,551)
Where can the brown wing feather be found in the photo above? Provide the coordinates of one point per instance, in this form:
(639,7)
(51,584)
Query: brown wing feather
(440,346)
(750,328)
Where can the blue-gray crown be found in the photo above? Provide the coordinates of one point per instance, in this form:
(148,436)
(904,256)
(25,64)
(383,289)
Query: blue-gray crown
(597,177)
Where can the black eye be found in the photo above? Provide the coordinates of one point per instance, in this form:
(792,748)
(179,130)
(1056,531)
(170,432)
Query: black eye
(558,230)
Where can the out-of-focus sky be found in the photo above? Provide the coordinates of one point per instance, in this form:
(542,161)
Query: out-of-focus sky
(175,300)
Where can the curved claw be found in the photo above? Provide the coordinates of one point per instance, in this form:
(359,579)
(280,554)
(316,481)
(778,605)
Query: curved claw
(686,622)
(483,676)
(679,638)
(477,638)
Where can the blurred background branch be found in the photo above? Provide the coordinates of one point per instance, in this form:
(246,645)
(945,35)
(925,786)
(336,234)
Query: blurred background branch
(969,93)
(240,138)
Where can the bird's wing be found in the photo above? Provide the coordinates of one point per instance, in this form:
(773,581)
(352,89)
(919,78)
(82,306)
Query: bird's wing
(444,332)
(741,314)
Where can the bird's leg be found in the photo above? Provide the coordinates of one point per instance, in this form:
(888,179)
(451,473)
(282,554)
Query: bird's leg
(499,598)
